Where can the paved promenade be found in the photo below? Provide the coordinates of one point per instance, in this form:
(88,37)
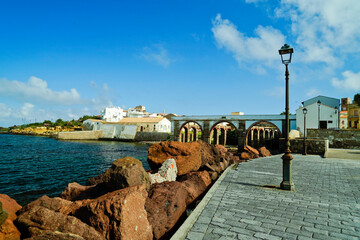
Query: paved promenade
(244,203)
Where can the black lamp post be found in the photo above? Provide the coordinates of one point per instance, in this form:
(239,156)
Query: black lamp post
(318,102)
(336,116)
(304,112)
(287,184)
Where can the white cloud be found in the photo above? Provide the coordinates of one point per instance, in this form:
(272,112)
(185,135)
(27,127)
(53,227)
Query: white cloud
(156,54)
(312,92)
(264,47)
(351,81)
(4,111)
(324,29)
(37,90)
(27,110)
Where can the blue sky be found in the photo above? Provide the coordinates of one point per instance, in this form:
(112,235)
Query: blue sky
(65,59)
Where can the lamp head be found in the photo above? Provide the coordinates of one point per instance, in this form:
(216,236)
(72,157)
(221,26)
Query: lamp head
(286,53)
(305,111)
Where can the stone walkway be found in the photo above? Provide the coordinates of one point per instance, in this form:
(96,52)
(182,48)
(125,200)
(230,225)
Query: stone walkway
(245,203)
(343,153)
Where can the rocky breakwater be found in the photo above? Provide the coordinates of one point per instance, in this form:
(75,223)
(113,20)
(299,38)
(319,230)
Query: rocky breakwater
(40,131)
(126,202)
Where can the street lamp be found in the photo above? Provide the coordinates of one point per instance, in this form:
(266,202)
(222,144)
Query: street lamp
(336,117)
(318,102)
(305,112)
(287,184)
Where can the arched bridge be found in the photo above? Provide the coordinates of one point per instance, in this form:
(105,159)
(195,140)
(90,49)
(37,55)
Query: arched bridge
(243,124)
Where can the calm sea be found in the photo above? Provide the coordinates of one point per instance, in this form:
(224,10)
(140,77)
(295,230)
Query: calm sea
(34,166)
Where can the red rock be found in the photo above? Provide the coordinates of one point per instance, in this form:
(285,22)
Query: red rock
(54,204)
(213,176)
(56,236)
(226,164)
(222,166)
(10,206)
(251,150)
(165,205)
(263,152)
(39,220)
(234,159)
(124,172)
(222,150)
(195,183)
(245,156)
(74,191)
(118,215)
(186,155)
(209,153)
(8,230)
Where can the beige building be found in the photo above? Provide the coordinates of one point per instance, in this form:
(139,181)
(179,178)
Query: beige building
(148,124)
(353,116)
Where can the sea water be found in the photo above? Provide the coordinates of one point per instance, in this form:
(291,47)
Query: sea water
(33,166)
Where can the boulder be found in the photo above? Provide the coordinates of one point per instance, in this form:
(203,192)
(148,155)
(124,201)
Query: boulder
(245,156)
(263,152)
(118,215)
(3,215)
(56,236)
(75,191)
(195,183)
(210,153)
(251,150)
(294,134)
(165,205)
(124,172)
(8,209)
(167,172)
(9,205)
(54,204)
(186,155)
(39,220)
(223,151)
(213,176)
(234,159)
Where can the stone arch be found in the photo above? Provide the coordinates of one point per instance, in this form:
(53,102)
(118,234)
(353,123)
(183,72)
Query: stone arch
(219,135)
(186,129)
(250,133)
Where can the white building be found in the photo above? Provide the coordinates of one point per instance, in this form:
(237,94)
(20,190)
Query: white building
(318,116)
(137,112)
(127,128)
(92,124)
(112,114)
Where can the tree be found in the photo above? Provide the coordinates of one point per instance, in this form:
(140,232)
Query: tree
(357,99)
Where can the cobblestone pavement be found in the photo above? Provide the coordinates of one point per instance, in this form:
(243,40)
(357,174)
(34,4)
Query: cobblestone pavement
(247,205)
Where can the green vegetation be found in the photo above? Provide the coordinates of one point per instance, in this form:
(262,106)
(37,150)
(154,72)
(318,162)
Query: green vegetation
(357,99)
(58,123)
(283,113)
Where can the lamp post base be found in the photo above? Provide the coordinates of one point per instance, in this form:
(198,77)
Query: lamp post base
(287,183)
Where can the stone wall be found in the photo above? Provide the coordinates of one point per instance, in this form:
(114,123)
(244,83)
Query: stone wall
(151,136)
(348,139)
(313,146)
(79,135)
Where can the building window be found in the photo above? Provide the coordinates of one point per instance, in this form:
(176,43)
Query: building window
(356,113)
(330,121)
(141,128)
